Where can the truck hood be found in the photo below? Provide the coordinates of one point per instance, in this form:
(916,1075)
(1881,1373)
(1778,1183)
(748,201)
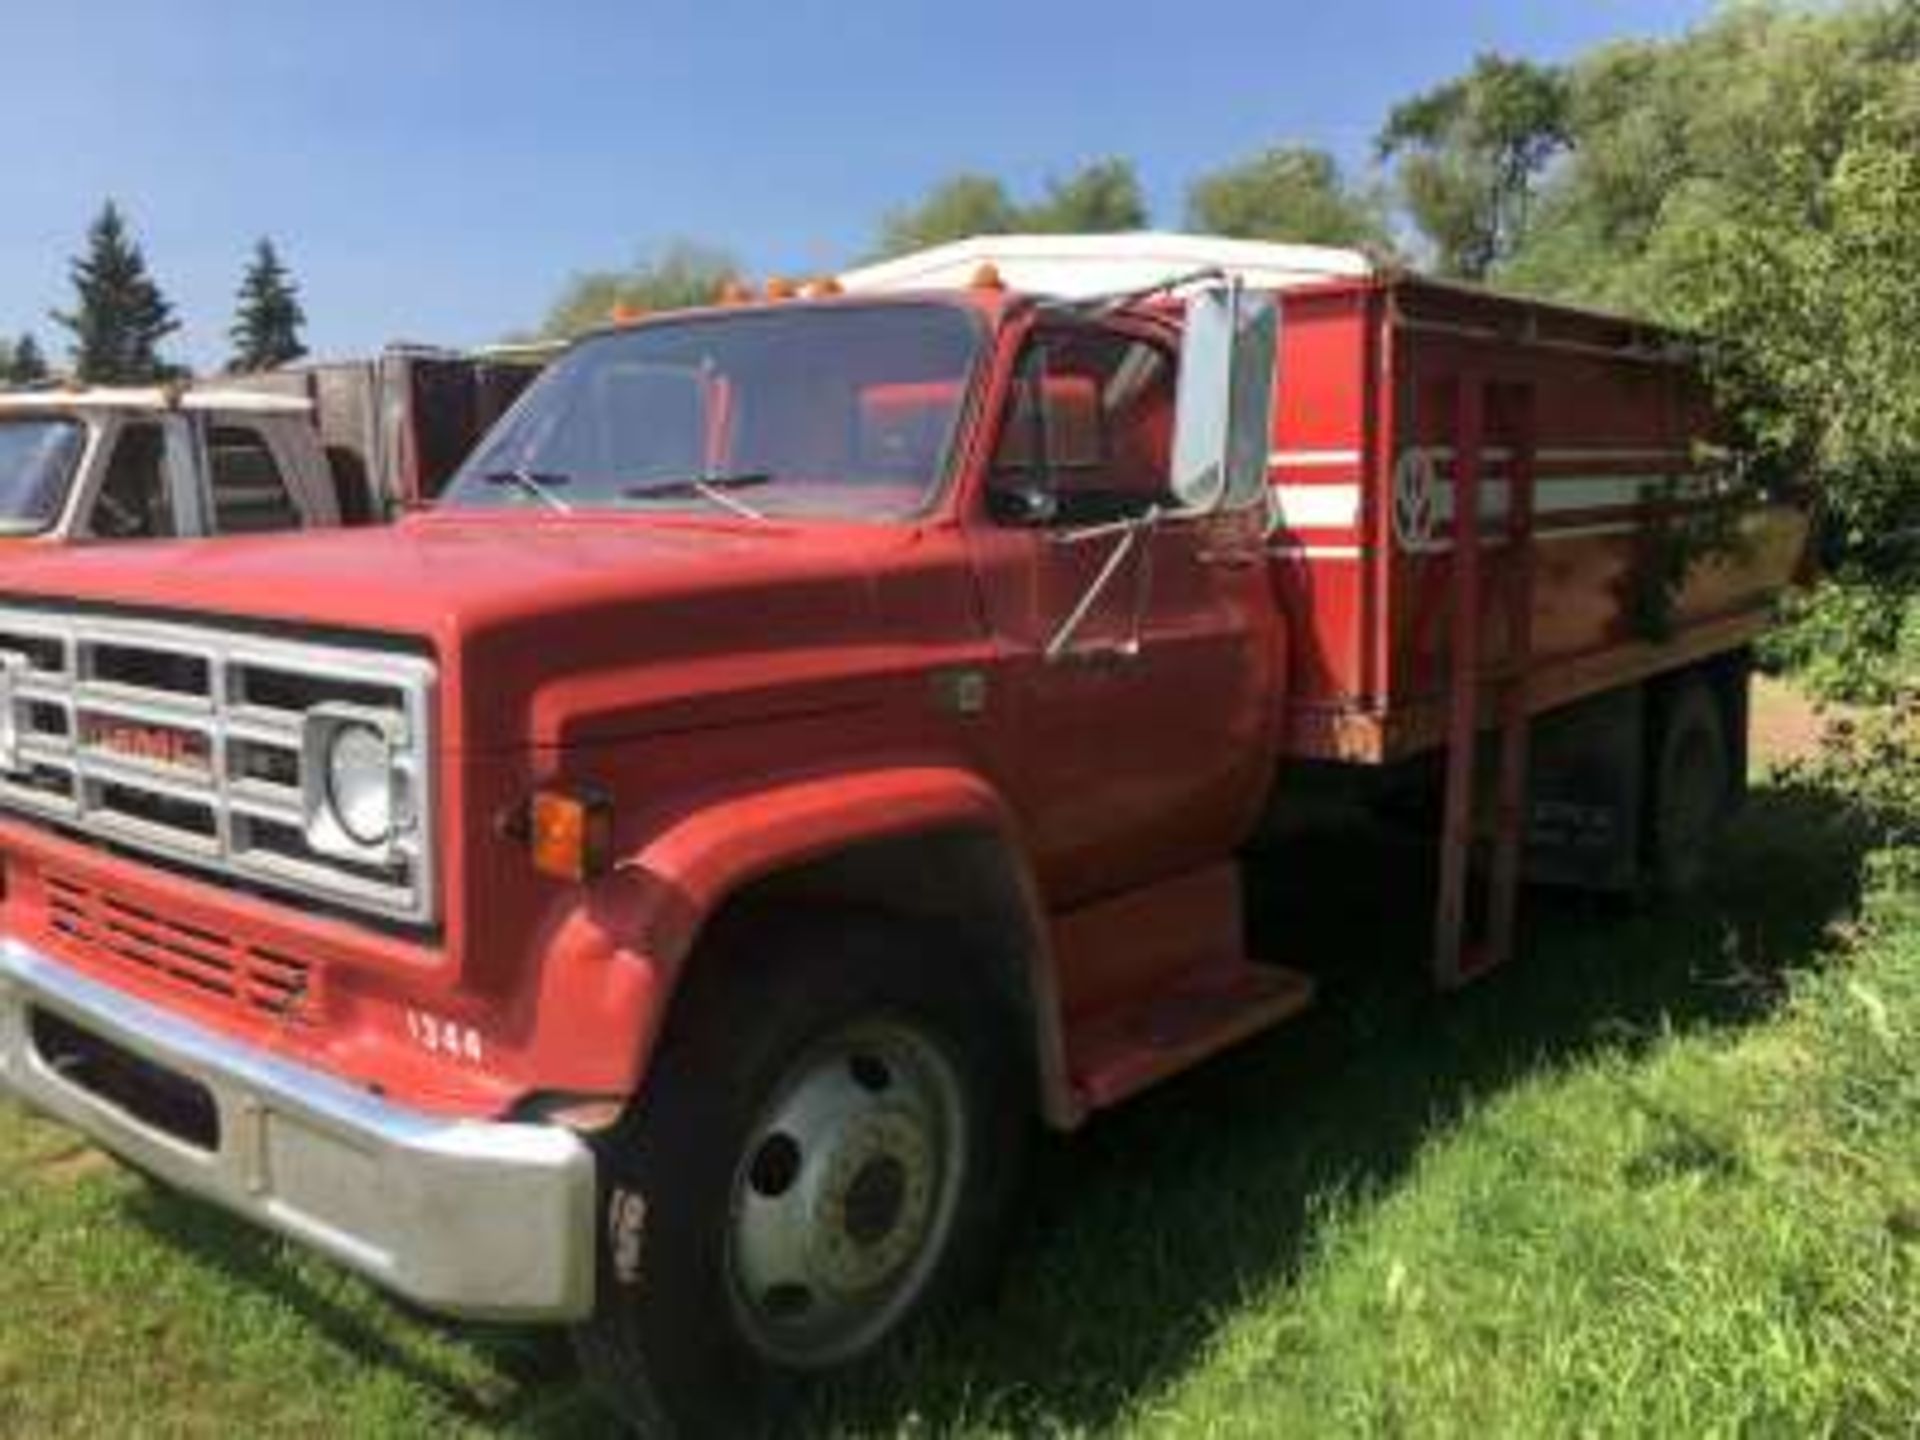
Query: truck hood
(529,617)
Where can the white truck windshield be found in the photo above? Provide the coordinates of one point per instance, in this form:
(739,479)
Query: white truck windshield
(841,411)
(37,460)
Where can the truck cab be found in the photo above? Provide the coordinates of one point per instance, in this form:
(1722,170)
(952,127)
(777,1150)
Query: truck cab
(129,464)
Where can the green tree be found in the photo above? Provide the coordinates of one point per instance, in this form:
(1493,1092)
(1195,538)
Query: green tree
(954,209)
(683,274)
(1292,193)
(121,317)
(267,321)
(1748,115)
(1757,180)
(1814,329)
(1469,154)
(1099,198)
(25,364)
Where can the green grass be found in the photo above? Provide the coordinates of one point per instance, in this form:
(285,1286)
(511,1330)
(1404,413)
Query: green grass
(1663,1177)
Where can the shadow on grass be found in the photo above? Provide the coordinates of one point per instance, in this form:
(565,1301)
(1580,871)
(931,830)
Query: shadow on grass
(1143,1229)
(503,1373)
(1158,1218)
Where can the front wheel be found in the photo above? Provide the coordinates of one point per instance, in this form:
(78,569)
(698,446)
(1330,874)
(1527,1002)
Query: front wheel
(822,1155)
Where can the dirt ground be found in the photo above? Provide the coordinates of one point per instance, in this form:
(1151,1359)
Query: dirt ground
(1786,724)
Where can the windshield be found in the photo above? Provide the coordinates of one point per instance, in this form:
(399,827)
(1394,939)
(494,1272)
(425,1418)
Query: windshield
(835,411)
(37,459)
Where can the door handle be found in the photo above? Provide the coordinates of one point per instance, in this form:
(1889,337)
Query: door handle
(1099,656)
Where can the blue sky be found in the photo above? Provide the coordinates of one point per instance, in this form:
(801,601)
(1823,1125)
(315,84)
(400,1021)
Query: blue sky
(434,170)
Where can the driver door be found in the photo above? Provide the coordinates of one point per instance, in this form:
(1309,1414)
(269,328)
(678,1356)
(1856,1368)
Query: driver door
(1139,652)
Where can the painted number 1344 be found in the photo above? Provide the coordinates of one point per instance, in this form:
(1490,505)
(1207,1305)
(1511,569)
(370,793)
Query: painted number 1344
(445,1037)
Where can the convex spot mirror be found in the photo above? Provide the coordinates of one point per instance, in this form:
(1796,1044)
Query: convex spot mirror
(1224,416)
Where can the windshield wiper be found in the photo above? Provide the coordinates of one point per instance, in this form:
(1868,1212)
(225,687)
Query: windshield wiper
(536,483)
(708,487)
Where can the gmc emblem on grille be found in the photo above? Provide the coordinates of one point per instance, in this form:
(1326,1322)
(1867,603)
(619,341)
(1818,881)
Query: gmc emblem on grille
(154,744)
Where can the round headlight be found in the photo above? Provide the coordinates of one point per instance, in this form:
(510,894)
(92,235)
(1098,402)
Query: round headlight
(360,783)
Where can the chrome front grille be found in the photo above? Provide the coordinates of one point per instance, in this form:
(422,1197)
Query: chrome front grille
(190,743)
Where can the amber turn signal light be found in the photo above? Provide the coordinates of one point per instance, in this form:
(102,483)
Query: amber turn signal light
(570,833)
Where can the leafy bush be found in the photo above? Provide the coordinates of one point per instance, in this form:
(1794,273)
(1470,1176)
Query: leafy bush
(1871,758)
(1853,640)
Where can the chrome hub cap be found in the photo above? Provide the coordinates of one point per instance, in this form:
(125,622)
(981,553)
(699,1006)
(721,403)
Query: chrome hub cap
(844,1198)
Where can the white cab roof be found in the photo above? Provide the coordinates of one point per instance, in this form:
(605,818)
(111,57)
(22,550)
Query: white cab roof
(1081,265)
(150,398)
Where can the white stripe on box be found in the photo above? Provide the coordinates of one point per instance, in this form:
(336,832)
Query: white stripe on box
(1315,507)
(1556,494)
(1331,507)
(1313,459)
(1573,455)
(1293,550)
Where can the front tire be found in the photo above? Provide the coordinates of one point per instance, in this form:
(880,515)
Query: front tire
(823,1155)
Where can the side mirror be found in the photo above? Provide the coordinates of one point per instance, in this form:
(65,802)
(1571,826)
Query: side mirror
(1224,418)
(1022,503)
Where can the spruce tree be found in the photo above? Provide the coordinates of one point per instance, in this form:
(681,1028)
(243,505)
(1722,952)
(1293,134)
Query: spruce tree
(121,317)
(27,365)
(266,326)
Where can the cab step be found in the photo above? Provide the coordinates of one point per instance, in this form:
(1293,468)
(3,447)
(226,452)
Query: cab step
(1119,1052)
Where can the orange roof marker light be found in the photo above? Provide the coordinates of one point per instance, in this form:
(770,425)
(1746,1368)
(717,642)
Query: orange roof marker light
(624,314)
(986,276)
(733,292)
(820,287)
(781,288)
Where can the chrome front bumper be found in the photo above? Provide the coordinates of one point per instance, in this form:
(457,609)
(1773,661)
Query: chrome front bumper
(471,1219)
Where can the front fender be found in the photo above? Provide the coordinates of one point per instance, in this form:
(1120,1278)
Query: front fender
(716,850)
(614,958)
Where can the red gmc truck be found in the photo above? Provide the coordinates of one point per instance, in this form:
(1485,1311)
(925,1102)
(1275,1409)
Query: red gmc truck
(657,890)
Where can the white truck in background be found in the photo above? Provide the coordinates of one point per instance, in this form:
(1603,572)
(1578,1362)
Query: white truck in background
(343,442)
(148,464)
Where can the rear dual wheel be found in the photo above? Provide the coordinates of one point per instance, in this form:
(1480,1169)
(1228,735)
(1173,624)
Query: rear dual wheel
(1693,788)
(823,1155)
